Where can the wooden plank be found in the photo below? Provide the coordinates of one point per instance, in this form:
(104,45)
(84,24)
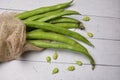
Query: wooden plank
(104,24)
(105,52)
(28,5)
(92,7)
(108,52)
(22,70)
(106,8)
(102,28)
(100,31)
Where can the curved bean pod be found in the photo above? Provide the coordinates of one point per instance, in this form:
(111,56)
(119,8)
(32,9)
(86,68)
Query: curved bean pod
(70,25)
(39,34)
(57,15)
(43,10)
(43,44)
(51,27)
(43,15)
(64,20)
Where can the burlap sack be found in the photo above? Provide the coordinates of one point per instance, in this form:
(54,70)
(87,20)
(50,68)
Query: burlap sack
(13,37)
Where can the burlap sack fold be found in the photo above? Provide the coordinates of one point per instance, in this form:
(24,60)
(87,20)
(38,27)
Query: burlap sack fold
(13,37)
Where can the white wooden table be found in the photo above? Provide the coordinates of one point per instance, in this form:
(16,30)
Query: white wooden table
(104,24)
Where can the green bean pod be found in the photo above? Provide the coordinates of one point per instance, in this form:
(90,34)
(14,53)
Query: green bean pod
(43,44)
(39,34)
(51,27)
(57,15)
(64,20)
(43,15)
(70,25)
(43,10)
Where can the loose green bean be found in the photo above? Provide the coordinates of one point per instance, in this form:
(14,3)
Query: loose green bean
(55,70)
(43,15)
(43,10)
(79,63)
(69,25)
(86,18)
(48,59)
(57,15)
(64,20)
(43,44)
(90,34)
(71,68)
(55,56)
(51,27)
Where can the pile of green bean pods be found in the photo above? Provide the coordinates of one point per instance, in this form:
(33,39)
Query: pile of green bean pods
(51,23)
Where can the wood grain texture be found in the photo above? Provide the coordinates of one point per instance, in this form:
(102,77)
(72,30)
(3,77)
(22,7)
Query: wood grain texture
(104,24)
(106,8)
(106,55)
(23,70)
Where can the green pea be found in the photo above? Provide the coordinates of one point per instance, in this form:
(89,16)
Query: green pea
(55,70)
(48,59)
(55,56)
(86,18)
(89,34)
(79,63)
(71,68)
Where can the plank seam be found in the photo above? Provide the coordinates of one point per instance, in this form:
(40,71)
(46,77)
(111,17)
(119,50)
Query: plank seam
(106,39)
(81,15)
(71,63)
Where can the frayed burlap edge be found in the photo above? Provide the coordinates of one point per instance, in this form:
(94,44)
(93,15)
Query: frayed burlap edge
(13,38)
